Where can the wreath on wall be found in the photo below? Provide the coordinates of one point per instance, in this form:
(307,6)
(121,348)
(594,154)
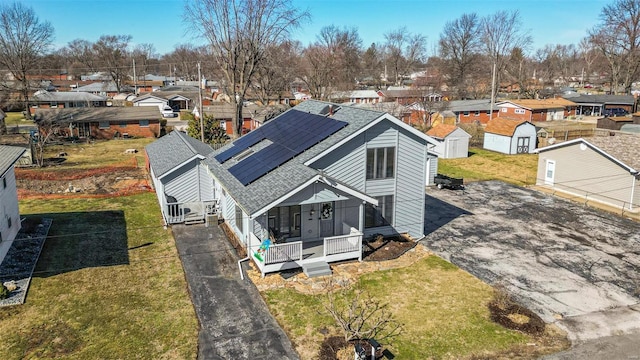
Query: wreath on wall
(327,211)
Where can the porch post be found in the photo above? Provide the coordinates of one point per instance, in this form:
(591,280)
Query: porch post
(361,229)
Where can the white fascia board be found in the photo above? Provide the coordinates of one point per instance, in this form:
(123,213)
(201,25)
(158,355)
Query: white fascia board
(301,187)
(181,165)
(395,121)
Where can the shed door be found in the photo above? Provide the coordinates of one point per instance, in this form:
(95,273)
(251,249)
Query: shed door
(523,145)
(453,149)
(550,172)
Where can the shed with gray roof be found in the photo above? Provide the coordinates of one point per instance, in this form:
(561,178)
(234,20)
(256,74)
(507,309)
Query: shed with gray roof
(604,169)
(9,212)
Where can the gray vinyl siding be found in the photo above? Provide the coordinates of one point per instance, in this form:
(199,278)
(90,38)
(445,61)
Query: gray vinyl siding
(347,164)
(588,174)
(206,184)
(229,210)
(183,183)
(432,170)
(410,180)
(9,208)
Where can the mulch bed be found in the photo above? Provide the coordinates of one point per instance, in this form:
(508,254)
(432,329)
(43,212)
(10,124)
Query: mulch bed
(503,314)
(386,248)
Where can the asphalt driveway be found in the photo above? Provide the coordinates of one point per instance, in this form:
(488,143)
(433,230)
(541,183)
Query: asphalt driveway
(234,320)
(572,265)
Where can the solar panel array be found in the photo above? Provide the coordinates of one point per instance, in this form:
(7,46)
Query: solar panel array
(291,133)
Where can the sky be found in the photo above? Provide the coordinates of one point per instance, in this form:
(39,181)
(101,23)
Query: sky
(160,22)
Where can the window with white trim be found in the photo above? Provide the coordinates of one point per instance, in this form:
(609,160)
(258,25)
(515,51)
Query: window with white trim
(143,123)
(520,111)
(239,218)
(103,125)
(503,109)
(381,163)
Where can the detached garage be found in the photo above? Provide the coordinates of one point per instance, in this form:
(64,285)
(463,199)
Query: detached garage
(602,169)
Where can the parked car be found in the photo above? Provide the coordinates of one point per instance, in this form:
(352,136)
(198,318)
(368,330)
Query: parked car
(615,112)
(168,112)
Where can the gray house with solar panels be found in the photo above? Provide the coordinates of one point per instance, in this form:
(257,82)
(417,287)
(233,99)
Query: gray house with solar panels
(306,187)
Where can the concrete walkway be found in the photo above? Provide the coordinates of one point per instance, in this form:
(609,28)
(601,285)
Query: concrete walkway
(234,320)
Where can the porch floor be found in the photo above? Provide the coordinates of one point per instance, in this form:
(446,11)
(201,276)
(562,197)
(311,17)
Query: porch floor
(312,249)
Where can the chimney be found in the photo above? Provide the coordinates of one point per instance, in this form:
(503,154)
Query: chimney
(330,110)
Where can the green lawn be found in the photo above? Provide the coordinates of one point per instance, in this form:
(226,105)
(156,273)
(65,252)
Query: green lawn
(109,284)
(490,165)
(16,118)
(443,309)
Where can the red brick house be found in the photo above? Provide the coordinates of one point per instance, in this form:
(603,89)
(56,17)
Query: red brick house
(104,122)
(537,110)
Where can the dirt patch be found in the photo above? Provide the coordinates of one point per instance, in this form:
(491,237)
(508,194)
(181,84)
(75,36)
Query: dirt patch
(331,346)
(387,248)
(512,315)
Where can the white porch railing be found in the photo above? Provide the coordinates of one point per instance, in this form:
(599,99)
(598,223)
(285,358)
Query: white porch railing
(279,253)
(175,213)
(342,244)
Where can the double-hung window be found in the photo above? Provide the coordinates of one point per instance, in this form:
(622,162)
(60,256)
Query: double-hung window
(381,163)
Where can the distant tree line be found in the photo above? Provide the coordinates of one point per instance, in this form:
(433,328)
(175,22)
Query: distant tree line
(250,51)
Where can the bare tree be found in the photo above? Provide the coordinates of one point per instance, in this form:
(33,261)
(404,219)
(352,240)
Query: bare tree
(618,39)
(332,62)
(460,44)
(276,73)
(181,62)
(112,51)
(23,40)
(371,66)
(144,55)
(403,51)
(501,33)
(81,52)
(360,315)
(239,33)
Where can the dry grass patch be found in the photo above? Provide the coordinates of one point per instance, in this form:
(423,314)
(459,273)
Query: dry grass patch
(109,283)
(443,309)
(488,165)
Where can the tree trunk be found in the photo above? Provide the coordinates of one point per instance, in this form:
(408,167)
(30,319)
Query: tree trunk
(238,116)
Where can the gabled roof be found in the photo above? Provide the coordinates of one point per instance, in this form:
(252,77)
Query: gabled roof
(441,131)
(504,126)
(621,149)
(148,96)
(95,114)
(174,149)
(66,96)
(8,156)
(102,87)
(357,94)
(289,176)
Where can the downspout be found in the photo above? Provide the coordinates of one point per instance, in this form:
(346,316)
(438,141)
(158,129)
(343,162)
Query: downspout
(633,187)
(246,258)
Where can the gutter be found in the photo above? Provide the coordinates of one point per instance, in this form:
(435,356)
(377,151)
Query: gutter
(244,259)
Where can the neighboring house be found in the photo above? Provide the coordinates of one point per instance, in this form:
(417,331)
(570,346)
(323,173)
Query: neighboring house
(409,96)
(23,141)
(453,142)
(183,185)
(364,96)
(107,89)
(150,100)
(307,186)
(225,112)
(603,169)
(473,111)
(52,100)
(594,105)
(510,136)
(104,122)
(9,212)
(537,110)
(397,110)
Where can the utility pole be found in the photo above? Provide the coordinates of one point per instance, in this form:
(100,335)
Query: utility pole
(200,113)
(135,80)
(493,92)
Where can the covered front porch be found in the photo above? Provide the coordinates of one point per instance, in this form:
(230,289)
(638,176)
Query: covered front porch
(321,223)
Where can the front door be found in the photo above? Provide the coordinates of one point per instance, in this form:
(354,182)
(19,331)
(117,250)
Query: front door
(550,172)
(326,219)
(523,145)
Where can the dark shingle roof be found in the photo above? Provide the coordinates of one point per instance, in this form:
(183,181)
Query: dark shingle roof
(601,99)
(8,156)
(293,173)
(95,114)
(174,149)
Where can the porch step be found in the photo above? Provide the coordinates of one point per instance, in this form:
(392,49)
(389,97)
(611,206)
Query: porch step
(317,268)
(193,221)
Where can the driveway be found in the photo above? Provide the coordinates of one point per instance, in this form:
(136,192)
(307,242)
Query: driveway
(574,266)
(234,320)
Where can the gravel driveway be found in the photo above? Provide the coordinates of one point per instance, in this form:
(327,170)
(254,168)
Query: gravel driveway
(572,265)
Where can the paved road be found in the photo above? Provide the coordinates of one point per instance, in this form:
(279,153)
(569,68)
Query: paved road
(234,320)
(573,265)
